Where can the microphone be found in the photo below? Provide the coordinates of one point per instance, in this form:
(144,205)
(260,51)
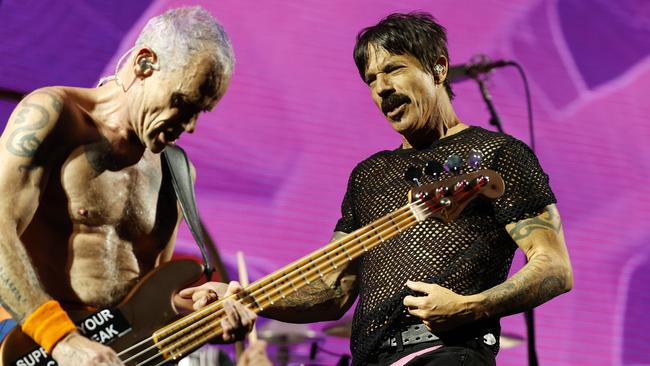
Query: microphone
(479,64)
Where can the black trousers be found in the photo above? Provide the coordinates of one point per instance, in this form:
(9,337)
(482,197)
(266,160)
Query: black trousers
(470,353)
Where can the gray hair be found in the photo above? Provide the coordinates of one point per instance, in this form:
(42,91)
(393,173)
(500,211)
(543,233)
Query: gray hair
(178,34)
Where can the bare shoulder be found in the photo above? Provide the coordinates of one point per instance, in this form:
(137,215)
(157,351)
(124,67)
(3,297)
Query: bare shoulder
(55,95)
(51,98)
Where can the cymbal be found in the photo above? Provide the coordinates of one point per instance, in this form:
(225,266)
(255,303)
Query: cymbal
(280,333)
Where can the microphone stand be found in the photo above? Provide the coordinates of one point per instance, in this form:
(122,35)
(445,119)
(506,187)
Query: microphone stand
(494,117)
(529,315)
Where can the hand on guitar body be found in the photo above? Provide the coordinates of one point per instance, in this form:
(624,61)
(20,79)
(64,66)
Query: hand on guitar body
(239,319)
(439,308)
(77,350)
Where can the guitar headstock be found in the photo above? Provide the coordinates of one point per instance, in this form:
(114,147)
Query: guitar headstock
(446,199)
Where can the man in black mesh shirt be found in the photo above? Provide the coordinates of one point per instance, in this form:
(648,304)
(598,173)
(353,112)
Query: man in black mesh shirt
(433,295)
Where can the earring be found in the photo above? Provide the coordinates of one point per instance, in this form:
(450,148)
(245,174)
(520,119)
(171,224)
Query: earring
(438,69)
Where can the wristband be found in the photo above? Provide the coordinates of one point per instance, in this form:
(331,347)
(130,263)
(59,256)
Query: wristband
(48,324)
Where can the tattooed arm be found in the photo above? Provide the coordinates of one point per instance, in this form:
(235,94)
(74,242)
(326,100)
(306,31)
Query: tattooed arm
(22,179)
(547,274)
(325,299)
(32,138)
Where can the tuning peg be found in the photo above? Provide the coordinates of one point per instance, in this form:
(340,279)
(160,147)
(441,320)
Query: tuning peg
(434,169)
(474,159)
(453,164)
(413,174)
(460,186)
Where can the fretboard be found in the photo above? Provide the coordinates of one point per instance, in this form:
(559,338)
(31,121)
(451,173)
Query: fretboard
(194,330)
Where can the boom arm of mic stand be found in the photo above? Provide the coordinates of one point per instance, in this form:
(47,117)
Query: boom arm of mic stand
(494,120)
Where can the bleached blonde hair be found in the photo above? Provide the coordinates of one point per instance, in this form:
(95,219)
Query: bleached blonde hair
(179,34)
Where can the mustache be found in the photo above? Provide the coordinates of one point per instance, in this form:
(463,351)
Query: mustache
(393,101)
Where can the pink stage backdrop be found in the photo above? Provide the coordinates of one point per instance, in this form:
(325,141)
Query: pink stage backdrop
(274,157)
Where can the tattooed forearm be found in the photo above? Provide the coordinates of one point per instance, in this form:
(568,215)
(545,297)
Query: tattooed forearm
(9,284)
(10,294)
(529,287)
(315,293)
(550,219)
(547,273)
(20,289)
(324,299)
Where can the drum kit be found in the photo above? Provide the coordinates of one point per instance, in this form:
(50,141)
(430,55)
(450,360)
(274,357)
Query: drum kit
(287,345)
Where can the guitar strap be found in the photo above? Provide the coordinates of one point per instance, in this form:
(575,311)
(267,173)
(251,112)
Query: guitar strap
(179,167)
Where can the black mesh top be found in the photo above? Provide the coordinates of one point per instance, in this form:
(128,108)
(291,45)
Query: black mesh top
(469,255)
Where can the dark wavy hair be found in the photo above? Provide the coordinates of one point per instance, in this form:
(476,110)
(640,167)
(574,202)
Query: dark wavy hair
(417,34)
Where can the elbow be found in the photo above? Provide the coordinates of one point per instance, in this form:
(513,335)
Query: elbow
(331,316)
(329,311)
(565,271)
(339,312)
(568,278)
(563,278)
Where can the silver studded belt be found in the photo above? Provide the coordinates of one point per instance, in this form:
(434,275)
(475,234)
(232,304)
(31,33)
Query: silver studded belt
(414,334)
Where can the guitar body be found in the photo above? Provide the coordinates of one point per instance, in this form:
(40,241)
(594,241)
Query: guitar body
(145,309)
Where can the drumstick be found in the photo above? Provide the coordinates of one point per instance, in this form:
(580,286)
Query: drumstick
(243,279)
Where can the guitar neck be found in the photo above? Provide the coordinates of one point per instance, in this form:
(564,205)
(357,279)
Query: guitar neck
(281,283)
(196,329)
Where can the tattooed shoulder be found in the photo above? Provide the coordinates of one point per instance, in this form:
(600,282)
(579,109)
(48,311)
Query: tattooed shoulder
(549,219)
(34,114)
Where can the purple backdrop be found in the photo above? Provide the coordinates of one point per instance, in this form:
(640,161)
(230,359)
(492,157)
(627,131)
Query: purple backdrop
(274,156)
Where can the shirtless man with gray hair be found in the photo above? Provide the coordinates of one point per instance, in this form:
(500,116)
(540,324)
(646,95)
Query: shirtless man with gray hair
(85,211)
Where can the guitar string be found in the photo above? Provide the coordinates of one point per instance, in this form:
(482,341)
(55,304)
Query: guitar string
(277,291)
(207,312)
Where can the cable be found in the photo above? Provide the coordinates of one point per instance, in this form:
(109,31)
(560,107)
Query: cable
(529,315)
(529,104)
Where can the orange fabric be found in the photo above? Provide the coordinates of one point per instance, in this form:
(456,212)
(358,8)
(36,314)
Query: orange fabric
(48,324)
(4,315)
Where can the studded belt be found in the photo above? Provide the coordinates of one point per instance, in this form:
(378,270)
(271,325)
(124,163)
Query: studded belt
(414,334)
